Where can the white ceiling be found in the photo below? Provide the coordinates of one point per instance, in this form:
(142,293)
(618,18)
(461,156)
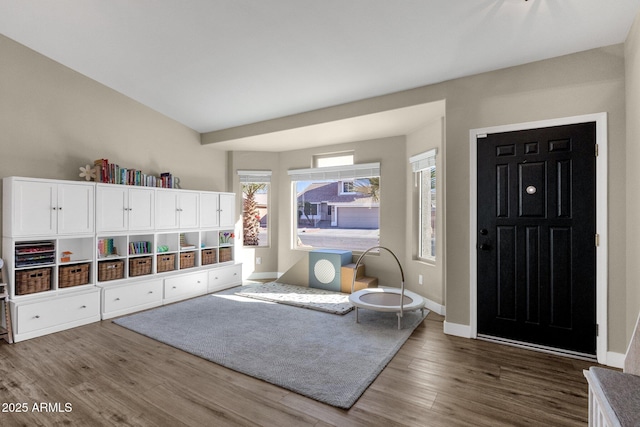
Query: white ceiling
(216,64)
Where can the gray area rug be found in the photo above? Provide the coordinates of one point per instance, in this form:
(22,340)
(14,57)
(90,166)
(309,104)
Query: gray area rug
(328,358)
(299,296)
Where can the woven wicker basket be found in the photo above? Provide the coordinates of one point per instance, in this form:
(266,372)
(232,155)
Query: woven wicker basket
(225,254)
(110,270)
(139,266)
(32,281)
(208,256)
(73,275)
(166,262)
(187,259)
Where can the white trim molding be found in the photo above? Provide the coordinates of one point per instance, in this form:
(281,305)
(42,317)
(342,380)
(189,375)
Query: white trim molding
(336,173)
(251,176)
(435,307)
(602,285)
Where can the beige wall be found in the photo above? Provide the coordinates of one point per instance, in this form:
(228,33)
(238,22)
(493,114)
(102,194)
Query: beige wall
(632,66)
(426,138)
(54,120)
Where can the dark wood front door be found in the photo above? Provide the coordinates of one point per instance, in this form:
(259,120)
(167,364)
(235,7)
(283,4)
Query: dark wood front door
(536,225)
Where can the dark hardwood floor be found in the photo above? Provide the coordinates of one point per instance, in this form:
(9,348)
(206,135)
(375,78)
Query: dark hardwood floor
(103,374)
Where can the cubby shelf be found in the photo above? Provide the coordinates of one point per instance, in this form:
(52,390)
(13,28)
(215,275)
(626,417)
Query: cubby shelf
(110,250)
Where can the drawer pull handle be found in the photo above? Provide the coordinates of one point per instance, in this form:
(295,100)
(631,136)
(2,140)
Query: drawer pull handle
(150,292)
(174,287)
(84,306)
(117,299)
(37,316)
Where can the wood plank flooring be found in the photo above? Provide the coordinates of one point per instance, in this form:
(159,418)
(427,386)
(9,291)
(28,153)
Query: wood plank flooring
(109,376)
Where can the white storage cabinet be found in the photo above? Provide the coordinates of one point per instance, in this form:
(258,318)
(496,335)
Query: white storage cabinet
(37,207)
(185,286)
(224,277)
(66,225)
(177,209)
(124,208)
(34,318)
(131,297)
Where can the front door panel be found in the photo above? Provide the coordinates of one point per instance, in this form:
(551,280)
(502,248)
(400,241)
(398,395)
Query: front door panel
(536,236)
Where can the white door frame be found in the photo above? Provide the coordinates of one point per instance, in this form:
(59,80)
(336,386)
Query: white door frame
(601,218)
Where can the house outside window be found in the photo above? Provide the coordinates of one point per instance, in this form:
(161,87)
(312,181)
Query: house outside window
(424,166)
(328,217)
(255,186)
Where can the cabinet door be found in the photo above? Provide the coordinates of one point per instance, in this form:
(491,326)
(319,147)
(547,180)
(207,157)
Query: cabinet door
(227,210)
(166,209)
(209,205)
(75,208)
(224,277)
(59,311)
(112,214)
(141,208)
(133,297)
(35,207)
(185,286)
(189,210)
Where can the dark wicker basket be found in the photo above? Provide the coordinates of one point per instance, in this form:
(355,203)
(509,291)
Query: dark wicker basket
(110,270)
(225,254)
(33,281)
(187,259)
(73,275)
(139,266)
(208,256)
(165,262)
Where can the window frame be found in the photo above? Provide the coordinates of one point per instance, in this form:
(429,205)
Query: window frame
(337,174)
(425,168)
(256,177)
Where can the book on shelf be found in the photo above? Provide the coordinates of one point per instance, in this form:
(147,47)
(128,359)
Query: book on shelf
(139,248)
(106,248)
(111,173)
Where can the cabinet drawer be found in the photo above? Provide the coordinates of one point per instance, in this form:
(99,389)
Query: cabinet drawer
(137,296)
(225,277)
(57,311)
(185,286)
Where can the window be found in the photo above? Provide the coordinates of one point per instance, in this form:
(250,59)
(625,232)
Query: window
(336,207)
(255,207)
(348,187)
(335,159)
(424,166)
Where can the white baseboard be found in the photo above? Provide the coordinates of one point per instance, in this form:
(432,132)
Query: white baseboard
(457,330)
(263,276)
(435,307)
(615,360)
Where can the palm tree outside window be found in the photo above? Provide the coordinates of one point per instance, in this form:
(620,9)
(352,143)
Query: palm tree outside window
(255,207)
